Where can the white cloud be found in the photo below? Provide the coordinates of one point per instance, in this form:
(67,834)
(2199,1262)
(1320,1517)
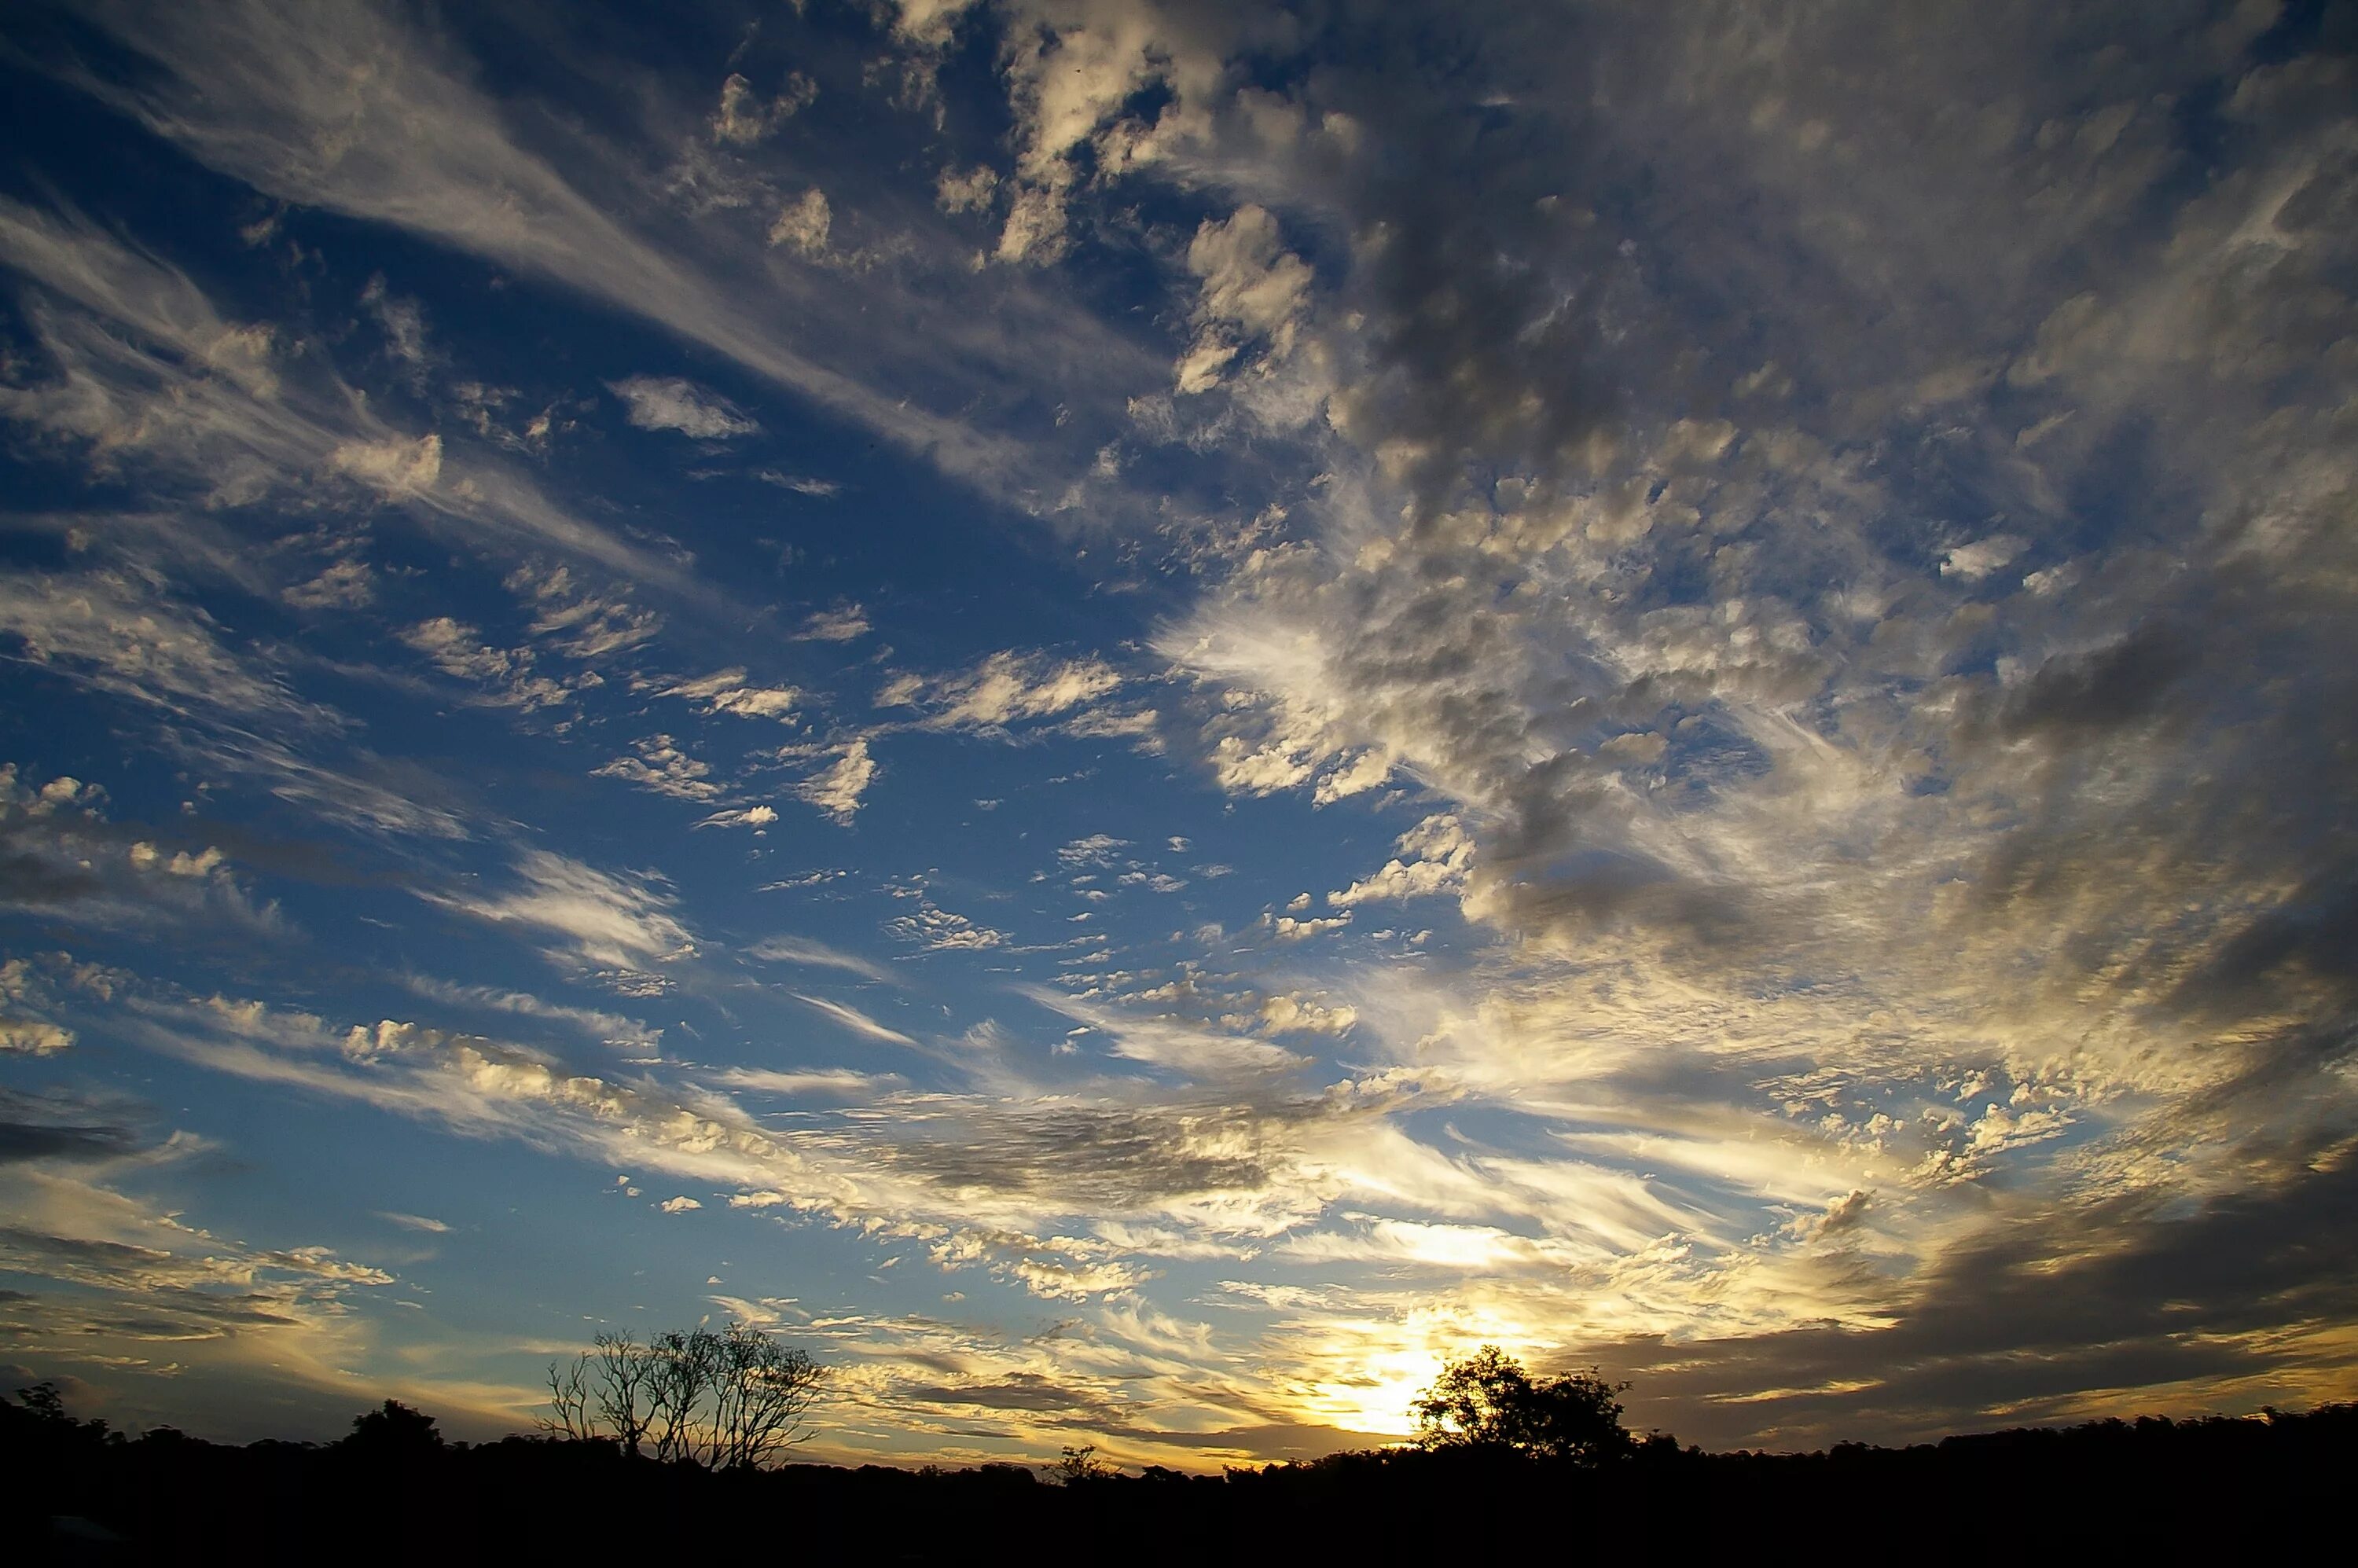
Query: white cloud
(1251,288)
(728,691)
(1440,853)
(1289,1015)
(801,484)
(1096,850)
(1977,560)
(833,1082)
(798,950)
(132,642)
(937,929)
(679,1205)
(395,468)
(507,674)
(621,921)
(413,1222)
(1005,688)
(858,1023)
(837,789)
(741,816)
(663,768)
(607,1028)
(675,403)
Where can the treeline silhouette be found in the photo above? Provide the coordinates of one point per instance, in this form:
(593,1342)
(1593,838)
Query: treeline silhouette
(394,1489)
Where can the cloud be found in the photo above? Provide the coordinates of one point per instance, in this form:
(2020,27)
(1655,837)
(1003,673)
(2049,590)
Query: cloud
(743,118)
(728,691)
(587,625)
(817,955)
(1252,289)
(804,223)
(801,484)
(1441,854)
(151,379)
(607,920)
(679,1205)
(858,1023)
(675,403)
(1005,688)
(662,768)
(413,1222)
(741,816)
(1096,850)
(64,1128)
(1287,1015)
(113,1286)
(836,788)
(507,674)
(938,929)
(31,1037)
(395,468)
(845,624)
(969,191)
(130,641)
(830,1082)
(607,1028)
(429,150)
(403,321)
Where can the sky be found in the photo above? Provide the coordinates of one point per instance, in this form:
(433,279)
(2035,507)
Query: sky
(1142,714)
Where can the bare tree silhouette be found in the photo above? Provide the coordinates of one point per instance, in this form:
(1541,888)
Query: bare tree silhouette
(735,1399)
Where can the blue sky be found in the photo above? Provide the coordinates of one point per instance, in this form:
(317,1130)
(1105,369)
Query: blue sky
(1146,714)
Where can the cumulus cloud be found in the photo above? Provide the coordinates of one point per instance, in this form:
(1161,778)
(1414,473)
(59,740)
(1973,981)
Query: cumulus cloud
(1252,289)
(32,1037)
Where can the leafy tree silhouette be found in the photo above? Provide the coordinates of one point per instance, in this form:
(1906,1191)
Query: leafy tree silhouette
(393,1431)
(1489,1402)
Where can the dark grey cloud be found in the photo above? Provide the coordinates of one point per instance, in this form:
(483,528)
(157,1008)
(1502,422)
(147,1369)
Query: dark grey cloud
(33,1127)
(2041,1308)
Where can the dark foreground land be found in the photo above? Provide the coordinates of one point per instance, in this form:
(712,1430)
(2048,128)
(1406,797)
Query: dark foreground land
(2261,1489)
